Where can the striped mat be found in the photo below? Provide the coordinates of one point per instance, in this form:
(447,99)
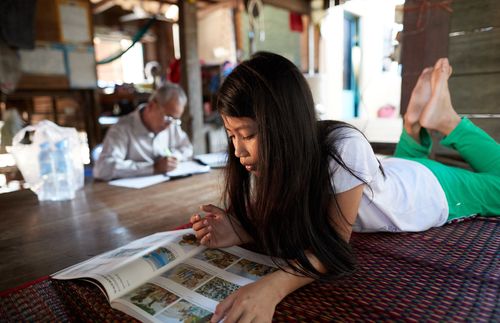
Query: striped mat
(449,274)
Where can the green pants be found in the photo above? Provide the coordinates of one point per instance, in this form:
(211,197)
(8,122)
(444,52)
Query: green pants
(467,192)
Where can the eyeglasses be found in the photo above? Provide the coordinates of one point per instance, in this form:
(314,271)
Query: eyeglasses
(170,120)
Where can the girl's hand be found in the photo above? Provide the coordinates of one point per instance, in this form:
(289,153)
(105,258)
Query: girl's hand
(257,301)
(216,230)
(254,302)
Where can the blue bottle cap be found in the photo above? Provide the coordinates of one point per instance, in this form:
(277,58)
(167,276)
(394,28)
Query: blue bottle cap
(45,145)
(62,144)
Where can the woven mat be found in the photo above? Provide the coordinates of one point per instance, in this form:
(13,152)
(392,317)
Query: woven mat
(450,273)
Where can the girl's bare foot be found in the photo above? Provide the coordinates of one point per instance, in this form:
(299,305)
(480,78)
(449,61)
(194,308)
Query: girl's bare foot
(419,97)
(439,114)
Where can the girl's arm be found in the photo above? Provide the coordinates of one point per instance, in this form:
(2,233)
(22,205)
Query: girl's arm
(257,301)
(348,202)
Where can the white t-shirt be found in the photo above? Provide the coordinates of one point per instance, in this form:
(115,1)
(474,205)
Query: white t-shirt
(408,199)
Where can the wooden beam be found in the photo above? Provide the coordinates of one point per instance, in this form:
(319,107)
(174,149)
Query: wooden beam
(471,15)
(209,8)
(102,6)
(191,75)
(238,30)
(299,6)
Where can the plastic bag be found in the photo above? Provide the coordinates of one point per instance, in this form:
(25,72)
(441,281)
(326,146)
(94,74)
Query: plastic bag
(26,155)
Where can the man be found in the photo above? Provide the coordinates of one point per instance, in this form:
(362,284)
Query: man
(147,141)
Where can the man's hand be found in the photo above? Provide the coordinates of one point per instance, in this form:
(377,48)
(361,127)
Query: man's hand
(165,164)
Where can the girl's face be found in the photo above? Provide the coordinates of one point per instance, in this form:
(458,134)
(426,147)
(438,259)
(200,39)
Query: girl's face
(243,134)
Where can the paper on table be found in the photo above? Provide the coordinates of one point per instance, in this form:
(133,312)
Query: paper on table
(213,160)
(188,168)
(183,169)
(139,182)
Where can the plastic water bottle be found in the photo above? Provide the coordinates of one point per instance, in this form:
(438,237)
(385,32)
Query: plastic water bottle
(48,188)
(64,172)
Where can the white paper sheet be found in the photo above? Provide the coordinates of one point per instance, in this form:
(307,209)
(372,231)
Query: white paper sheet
(74,23)
(188,168)
(43,60)
(213,160)
(183,169)
(139,182)
(82,68)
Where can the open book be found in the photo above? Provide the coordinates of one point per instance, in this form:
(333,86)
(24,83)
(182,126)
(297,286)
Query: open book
(169,277)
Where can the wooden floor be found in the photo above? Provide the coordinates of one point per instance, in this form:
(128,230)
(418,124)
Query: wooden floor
(40,238)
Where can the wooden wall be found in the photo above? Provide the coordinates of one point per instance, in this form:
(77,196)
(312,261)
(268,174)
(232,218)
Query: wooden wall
(474,53)
(468,33)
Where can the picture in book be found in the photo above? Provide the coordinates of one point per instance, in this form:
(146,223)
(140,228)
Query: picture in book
(213,281)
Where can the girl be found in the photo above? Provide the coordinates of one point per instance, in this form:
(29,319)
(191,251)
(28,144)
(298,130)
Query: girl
(297,187)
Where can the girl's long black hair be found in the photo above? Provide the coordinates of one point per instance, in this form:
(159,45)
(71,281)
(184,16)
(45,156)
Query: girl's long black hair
(285,209)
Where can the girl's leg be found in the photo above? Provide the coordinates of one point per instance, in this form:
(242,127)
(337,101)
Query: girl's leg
(475,146)
(408,147)
(468,193)
(438,114)
(415,141)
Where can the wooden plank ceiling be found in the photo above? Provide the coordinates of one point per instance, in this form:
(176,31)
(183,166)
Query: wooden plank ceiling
(160,6)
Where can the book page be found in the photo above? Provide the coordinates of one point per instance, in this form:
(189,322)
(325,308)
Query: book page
(125,268)
(191,290)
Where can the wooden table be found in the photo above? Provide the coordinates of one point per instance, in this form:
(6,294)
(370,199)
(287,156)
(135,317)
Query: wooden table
(40,238)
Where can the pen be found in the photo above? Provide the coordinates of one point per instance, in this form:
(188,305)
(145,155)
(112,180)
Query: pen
(168,153)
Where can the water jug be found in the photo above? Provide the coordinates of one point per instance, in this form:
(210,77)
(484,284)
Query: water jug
(64,172)
(47,189)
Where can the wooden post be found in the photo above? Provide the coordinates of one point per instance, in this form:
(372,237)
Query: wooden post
(425,39)
(191,75)
(164,45)
(238,29)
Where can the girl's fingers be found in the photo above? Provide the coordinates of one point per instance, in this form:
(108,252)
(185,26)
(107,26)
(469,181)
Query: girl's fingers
(197,218)
(210,216)
(205,240)
(211,209)
(200,225)
(194,218)
(241,316)
(200,234)
(223,308)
